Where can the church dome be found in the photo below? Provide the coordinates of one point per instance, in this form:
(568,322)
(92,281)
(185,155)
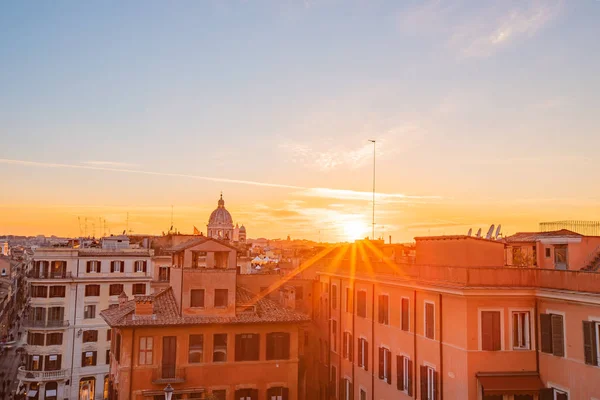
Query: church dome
(242,228)
(220,216)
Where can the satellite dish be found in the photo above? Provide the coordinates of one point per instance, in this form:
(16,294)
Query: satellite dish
(478,233)
(490,232)
(498,230)
(470,232)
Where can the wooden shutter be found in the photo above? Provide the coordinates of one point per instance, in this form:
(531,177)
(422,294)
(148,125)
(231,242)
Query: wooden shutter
(423,382)
(286,346)
(381,355)
(366,356)
(342,390)
(589,343)
(435,385)
(496,331)
(486,330)
(429,323)
(379,309)
(410,377)
(112,266)
(360,352)
(145,266)
(400,372)
(88,267)
(388,356)
(254,394)
(345,345)
(558,336)
(350,348)
(285,393)
(405,315)
(238,348)
(546,394)
(546,332)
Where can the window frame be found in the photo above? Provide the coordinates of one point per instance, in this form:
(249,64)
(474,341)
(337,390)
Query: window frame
(564,331)
(220,350)
(425,303)
(137,285)
(86,312)
(145,350)
(383,316)
(196,349)
(203,297)
(480,327)
(359,293)
(530,339)
(226,298)
(407,314)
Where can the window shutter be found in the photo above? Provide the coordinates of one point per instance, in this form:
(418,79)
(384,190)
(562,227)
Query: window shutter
(381,355)
(88,267)
(388,356)
(399,373)
(269,346)
(486,331)
(360,352)
(546,394)
(342,390)
(589,343)
(254,394)
(112,266)
(515,331)
(83,359)
(496,345)
(435,385)
(285,393)
(410,378)
(405,315)
(546,332)
(286,346)
(379,309)
(429,321)
(350,348)
(558,336)
(366,355)
(145,266)
(345,344)
(423,382)
(238,347)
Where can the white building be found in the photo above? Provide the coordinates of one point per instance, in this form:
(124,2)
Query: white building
(67,350)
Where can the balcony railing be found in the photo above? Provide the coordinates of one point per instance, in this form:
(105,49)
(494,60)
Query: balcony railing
(168,374)
(49,275)
(40,376)
(51,323)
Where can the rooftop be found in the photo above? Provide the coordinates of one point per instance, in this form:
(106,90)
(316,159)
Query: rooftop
(194,242)
(166,312)
(535,236)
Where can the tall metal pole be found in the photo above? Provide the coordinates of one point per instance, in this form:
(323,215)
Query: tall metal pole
(373,231)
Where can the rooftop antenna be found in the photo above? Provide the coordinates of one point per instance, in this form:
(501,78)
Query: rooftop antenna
(93,229)
(470,232)
(373,231)
(490,232)
(127,225)
(172,215)
(478,233)
(85,227)
(498,231)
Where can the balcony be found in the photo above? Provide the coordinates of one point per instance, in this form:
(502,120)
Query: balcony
(168,374)
(49,275)
(41,376)
(50,324)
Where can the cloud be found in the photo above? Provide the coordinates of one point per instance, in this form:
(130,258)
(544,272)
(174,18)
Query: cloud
(482,28)
(343,194)
(110,164)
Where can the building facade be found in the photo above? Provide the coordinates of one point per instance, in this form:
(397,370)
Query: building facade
(67,348)
(205,334)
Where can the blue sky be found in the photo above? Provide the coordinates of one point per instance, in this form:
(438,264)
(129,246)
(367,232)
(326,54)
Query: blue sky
(484,112)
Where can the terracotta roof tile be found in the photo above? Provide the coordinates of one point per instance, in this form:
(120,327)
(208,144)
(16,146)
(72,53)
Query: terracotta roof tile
(535,236)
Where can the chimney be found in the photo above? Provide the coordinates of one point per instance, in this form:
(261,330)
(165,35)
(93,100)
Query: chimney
(122,299)
(390,239)
(144,305)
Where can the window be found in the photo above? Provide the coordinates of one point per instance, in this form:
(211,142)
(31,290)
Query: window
(590,342)
(92,290)
(547,252)
(333,297)
(107,357)
(34,363)
(277,393)
(429,321)
(196,350)
(278,346)
(553,394)
(146,348)
(522,397)
(115,289)
(385,365)
(299,292)
(93,266)
(57,291)
(88,358)
(246,394)
(361,304)
(363,394)
(35,339)
(404,374)
(39,291)
(219,394)
(246,347)
(363,354)
(348,346)
(405,315)
(117,266)
(118,347)
(333,381)
(164,274)
(50,388)
(348,299)
(219,347)
(140,266)
(53,362)
(491,331)
(90,336)
(383,309)
(520,330)
(55,338)
(221,297)
(428,383)
(108,334)
(552,334)
(346,389)
(197,298)
(333,335)
(139,288)
(89,311)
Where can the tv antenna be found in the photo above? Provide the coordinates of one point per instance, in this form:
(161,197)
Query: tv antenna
(498,231)
(470,232)
(478,233)
(490,232)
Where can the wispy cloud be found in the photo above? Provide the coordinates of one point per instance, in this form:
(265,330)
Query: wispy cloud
(110,164)
(343,194)
(480,30)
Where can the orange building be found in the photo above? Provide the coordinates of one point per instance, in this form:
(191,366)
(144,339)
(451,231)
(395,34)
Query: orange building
(463,327)
(205,334)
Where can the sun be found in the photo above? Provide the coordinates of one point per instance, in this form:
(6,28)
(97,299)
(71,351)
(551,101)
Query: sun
(354,230)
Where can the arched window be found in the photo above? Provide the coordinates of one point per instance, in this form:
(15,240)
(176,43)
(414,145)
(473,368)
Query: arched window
(50,391)
(87,387)
(33,392)
(106,386)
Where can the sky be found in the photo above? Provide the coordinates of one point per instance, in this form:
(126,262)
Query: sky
(112,114)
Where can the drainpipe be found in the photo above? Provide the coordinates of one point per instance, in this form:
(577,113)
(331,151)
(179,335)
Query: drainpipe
(74,329)
(131,364)
(373,343)
(441,351)
(415,344)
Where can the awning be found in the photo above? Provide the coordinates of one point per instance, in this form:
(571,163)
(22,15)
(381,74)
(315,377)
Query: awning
(31,393)
(510,383)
